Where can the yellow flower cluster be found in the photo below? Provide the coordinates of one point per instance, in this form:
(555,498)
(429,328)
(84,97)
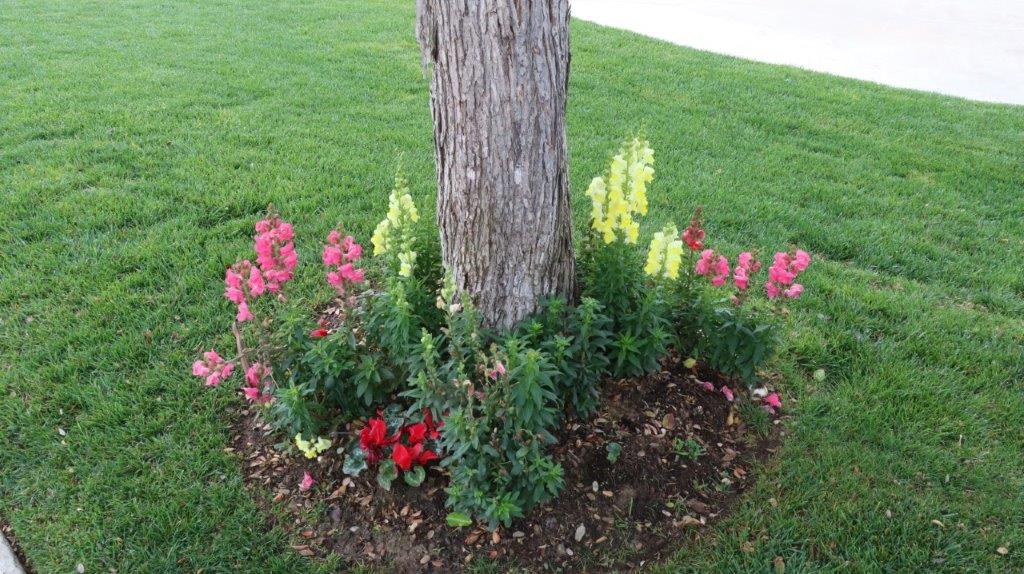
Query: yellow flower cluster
(393,232)
(665,254)
(312,448)
(621,194)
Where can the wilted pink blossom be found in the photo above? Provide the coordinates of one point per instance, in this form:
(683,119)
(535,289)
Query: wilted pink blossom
(707,386)
(212,368)
(497,371)
(306,483)
(772,403)
(728,393)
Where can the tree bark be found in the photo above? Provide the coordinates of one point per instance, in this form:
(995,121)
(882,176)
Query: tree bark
(500,75)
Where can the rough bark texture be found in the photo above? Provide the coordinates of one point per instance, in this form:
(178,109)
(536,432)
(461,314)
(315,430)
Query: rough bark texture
(500,74)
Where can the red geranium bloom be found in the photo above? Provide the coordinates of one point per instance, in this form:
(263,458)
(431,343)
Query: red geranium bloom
(432,429)
(417,432)
(373,438)
(318,333)
(406,456)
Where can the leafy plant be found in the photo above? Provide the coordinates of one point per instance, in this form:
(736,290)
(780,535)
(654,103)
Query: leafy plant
(735,342)
(614,451)
(687,448)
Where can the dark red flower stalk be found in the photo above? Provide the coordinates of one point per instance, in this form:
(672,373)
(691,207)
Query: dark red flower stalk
(694,234)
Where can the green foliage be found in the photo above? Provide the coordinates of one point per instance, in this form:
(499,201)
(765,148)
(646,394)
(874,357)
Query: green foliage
(614,451)
(735,340)
(577,341)
(495,443)
(687,448)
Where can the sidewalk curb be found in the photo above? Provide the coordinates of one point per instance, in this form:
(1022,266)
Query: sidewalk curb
(8,561)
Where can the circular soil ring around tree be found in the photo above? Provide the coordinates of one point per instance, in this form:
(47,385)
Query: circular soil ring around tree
(686,455)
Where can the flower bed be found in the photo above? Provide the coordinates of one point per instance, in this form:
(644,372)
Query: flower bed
(685,455)
(398,385)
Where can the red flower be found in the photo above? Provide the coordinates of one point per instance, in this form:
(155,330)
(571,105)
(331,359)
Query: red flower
(694,235)
(318,333)
(373,438)
(432,429)
(417,432)
(406,456)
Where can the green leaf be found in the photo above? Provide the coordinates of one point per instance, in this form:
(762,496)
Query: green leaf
(415,476)
(614,450)
(387,473)
(355,462)
(458,520)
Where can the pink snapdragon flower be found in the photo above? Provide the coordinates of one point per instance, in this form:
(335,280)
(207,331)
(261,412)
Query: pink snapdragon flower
(746,264)
(794,291)
(243,281)
(213,368)
(717,266)
(258,384)
(704,263)
(341,253)
(275,251)
(721,271)
(783,273)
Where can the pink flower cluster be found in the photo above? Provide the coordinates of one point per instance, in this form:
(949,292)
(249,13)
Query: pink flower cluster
(275,251)
(783,273)
(243,281)
(212,368)
(258,383)
(745,266)
(716,266)
(275,261)
(341,254)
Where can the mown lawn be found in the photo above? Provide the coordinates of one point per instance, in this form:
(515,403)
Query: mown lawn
(139,140)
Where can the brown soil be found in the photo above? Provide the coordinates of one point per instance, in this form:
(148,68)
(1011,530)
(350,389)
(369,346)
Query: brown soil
(655,498)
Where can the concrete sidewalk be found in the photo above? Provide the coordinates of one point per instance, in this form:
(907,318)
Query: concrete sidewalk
(968,48)
(8,561)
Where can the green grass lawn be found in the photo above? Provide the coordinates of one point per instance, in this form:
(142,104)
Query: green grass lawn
(140,140)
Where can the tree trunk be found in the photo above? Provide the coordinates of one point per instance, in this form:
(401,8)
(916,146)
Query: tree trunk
(500,74)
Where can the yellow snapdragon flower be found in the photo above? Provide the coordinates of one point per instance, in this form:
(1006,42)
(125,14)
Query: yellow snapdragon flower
(406,260)
(665,253)
(393,231)
(620,195)
(312,448)
(380,237)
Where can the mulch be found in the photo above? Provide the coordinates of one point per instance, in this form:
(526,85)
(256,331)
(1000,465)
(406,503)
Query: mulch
(686,457)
